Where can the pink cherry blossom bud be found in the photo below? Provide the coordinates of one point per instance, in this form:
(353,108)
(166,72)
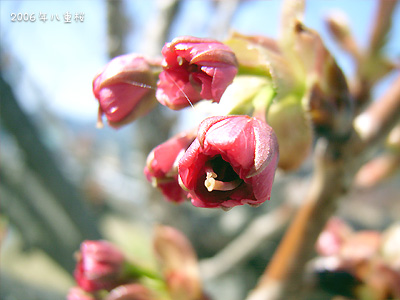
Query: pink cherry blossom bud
(361,246)
(133,291)
(194,69)
(162,166)
(338,25)
(179,264)
(231,162)
(76,293)
(125,88)
(332,238)
(100,266)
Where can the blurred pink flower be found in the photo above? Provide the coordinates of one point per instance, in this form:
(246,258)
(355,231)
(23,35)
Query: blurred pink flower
(332,238)
(162,166)
(76,293)
(179,264)
(100,266)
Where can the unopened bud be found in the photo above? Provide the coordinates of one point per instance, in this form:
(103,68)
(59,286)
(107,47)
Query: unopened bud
(338,25)
(162,166)
(293,130)
(125,88)
(179,264)
(194,69)
(328,98)
(100,266)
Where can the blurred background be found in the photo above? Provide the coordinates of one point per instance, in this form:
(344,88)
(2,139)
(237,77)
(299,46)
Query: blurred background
(63,180)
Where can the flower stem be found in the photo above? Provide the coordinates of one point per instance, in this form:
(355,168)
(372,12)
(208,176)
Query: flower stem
(262,102)
(136,271)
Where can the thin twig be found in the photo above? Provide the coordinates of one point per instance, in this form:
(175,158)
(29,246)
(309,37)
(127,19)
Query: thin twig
(221,21)
(117,28)
(380,116)
(372,64)
(242,247)
(382,25)
(159,25)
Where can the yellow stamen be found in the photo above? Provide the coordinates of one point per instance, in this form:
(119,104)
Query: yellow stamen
(180,60)
(215,185)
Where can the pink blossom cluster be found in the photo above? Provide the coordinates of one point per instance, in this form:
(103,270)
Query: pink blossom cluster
(229,160)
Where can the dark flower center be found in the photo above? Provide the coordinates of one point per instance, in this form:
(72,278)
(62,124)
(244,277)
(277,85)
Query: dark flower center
(191,68)
(220,175)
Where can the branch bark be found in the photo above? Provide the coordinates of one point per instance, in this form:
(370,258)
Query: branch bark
(116,28)
(221,21)
(382,25)
(157,30)
(382,115)
(335,167)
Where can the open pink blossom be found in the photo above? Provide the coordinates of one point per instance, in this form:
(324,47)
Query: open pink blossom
(162,166)
(194,69)
(231,162)
(100,266)
(125,88)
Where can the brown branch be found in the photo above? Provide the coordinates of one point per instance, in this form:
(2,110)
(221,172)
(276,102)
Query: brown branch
(222,18)
(377,170)
(117,24)
(339,28)
(373,64)
(382,25)
(158,27)
(335,167)
(282,278)
(380,117)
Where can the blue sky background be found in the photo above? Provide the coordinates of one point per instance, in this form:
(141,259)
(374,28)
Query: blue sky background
(63,58)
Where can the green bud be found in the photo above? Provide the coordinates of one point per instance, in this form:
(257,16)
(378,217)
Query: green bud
(327,96)
(240,95)
(252,58)
(262,56)
(293,130)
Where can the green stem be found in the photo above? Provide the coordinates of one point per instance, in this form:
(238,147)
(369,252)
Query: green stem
(262,101)
(138,272)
